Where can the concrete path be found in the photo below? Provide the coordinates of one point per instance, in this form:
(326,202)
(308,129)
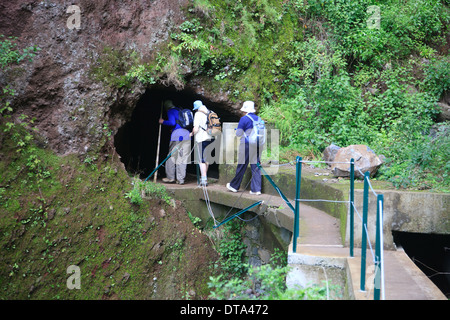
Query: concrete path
(320,240)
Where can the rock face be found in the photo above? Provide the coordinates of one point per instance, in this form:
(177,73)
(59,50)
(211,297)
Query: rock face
(444,107)
(444,114)
(330,152)
(73,111)
(365,160)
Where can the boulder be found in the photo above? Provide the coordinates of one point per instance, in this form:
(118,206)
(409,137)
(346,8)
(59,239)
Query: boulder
(330,152)
(365,160)
(444,114)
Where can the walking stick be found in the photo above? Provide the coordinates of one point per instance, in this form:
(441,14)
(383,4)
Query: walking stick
(159,142)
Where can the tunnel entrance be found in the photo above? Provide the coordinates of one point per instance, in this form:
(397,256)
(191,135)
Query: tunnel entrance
(137,140)
(431,254)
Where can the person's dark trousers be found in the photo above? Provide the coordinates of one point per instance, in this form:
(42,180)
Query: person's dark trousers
(243,161)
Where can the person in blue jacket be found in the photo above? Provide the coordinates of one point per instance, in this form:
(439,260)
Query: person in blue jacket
(247,154)
(176,165)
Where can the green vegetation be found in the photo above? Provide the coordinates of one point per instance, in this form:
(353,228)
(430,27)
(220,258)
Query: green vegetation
(266,282)
(61,211)
(324,72)
(147,190)
(9,54)
(319,71)
(231,250)
(235,279)
(57,212)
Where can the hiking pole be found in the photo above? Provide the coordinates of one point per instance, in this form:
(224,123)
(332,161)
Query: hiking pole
(159,142)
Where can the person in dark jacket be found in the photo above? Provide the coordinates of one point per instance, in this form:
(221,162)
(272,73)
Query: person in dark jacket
(247,154)
(176,165)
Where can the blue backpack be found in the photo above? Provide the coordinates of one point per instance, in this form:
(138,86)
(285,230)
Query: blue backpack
(185,119)
(258,134)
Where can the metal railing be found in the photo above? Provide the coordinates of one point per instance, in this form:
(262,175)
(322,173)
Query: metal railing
(377,254)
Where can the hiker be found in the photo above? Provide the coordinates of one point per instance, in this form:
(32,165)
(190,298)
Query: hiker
(248,153)
(202,138)
(180,138)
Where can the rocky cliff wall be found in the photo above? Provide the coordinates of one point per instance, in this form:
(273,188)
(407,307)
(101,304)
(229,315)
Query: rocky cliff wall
(72,109)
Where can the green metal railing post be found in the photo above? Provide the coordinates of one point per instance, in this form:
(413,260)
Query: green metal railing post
(238,213)
(167,158)
(297,202)
(352,201)
(378,248)
(264,173)
(364,235)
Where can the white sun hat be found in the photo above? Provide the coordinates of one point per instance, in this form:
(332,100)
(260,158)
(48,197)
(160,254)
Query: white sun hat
(248,106)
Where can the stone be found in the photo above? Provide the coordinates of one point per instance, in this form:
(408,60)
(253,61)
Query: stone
(444,114)
(365,160)
(330,152)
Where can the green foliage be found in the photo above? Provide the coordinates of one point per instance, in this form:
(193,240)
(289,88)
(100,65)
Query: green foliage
(114,67)
(195,220)
(134,195)
(143,73)
(312,60)
(266,282)
(437,76)
(424,162)
(232,251)
(407,27)
(147,189)
(241,45)
(9,54)
(361,85)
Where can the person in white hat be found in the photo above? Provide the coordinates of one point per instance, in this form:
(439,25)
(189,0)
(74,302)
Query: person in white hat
(202,138)
(246,154)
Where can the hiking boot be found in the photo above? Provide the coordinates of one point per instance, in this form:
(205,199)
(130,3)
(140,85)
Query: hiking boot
(257,192)
(167,180)
(231,188)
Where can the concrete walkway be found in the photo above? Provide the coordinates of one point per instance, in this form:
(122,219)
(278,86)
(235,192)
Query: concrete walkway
(320,246)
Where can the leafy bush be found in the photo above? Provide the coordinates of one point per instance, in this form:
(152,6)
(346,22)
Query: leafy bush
(232,251)
(405,27)
(423,162)
(147,189)
(437,76)
(9,54)
(266,282)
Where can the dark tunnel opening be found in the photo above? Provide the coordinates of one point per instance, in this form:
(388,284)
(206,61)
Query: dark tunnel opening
(137,141)
(431,254)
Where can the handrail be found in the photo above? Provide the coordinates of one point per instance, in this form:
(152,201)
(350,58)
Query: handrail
(167,158)
(275,187)
(237,214)
(298,179)
(378,255)
(379,291)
